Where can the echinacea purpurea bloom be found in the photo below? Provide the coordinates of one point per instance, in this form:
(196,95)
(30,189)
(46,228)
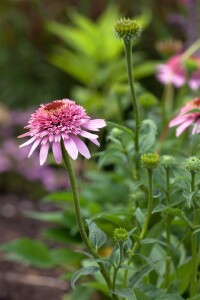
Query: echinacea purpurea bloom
(174,72)
(61,120)
(186,118)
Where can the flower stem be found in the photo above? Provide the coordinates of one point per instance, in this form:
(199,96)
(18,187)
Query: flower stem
(68,165)
(129,66)
(193,286)
(168,236)
(118,265)
(146,223)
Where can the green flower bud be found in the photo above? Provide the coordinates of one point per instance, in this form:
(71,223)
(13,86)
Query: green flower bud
(150,160)
(127,30)
(167,161)
(193,164)
(116,133)
(120,235)
(137,196)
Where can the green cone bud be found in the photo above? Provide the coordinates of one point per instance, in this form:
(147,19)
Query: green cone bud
(150,160)
(167,161)
(193,164)
(120,235)
(127,30)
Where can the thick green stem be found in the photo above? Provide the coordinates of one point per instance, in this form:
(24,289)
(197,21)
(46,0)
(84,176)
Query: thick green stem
(68,165)
(193,286)
(118,265)
(129,66)
(146,223)
(168,235)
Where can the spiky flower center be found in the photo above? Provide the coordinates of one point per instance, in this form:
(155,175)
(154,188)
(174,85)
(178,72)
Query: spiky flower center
(58,117)
(54,105)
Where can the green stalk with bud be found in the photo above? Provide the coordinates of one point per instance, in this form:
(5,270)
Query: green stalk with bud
(168,162)
(129,31)
(149,161)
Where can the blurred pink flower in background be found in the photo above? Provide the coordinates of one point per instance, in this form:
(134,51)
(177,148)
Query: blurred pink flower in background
(172,72)
(186,118)
(176,72)
(61,120)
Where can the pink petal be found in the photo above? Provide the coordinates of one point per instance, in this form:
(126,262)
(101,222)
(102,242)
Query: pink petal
(94,124)
(28,142)
(81,146)
(95,141)
(43,153)
(178,120)
(34,146)
(57,152)
(71,148)
(24,135)
(183,126)
(88,135)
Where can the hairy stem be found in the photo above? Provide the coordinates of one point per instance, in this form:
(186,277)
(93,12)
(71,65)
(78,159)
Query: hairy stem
(68,165)
(118,265)
(129,66)
(146,223)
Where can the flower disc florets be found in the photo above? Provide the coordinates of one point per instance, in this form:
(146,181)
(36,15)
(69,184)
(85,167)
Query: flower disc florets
(128,30)
(193,164)
(150,160)
(120,235)
(61,121)
(167,161)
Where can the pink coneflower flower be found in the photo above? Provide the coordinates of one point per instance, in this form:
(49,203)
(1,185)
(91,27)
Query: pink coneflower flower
(61,120)
(175,72)
(187,118)
(172,72)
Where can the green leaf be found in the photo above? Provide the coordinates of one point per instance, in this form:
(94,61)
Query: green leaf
(139,274)
(65,256)
(84,271)
(145,69)
(196,297)
(126,293)
(148,132)
(97,237)
(170,297)
(183,276)
(29,251)
(98,286)
(103,260)
(140,216)
(153,241)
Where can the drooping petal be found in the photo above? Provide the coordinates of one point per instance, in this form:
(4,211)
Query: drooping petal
(95,141)
(28,142)
(57,152)
(71,148)
(34,146)
(81,146)
(43,153)
(24,135)
(88,135)
(94,124)
(183,126)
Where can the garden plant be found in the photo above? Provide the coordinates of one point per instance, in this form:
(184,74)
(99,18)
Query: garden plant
(135,220)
